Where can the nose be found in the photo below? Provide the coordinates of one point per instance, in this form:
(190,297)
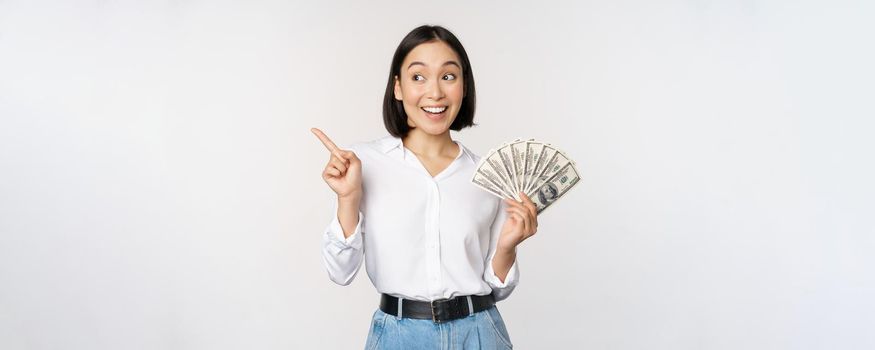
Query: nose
(435,91)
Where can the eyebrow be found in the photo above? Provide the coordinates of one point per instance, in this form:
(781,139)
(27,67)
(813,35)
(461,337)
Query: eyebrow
(447,63)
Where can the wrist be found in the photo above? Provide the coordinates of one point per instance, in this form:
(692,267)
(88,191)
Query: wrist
(505,251)
(351,198)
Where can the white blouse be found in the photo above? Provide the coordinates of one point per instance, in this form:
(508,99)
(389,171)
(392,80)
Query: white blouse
(423,237)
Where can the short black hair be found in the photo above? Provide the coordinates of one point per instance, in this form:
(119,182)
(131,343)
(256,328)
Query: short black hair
(394,116)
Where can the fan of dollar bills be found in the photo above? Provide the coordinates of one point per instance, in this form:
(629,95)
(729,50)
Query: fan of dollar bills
(538,169)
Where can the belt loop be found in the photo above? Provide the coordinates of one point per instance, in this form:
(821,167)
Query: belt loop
(470,306)
(400,306)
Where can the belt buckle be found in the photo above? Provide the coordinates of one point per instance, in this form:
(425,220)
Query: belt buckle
(434,305)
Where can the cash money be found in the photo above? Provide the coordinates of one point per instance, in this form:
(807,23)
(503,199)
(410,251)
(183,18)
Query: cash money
(540,170)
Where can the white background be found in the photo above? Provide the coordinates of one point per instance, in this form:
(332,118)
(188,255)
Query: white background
(159,187)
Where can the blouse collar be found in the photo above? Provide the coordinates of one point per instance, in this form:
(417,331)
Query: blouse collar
(390,143)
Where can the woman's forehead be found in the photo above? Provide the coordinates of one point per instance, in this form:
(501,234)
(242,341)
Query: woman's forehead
(432,54)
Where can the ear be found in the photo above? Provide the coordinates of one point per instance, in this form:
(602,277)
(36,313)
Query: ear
(398,95)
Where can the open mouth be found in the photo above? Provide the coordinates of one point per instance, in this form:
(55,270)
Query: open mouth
(434,112)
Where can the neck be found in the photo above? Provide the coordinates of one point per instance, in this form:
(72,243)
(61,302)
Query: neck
(428,145)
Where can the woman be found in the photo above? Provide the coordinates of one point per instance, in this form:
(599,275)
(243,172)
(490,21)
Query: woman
(440,250)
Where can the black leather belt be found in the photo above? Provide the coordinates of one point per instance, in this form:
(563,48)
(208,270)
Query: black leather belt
(441,310)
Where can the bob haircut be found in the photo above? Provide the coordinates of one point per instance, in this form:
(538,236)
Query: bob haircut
(394,116)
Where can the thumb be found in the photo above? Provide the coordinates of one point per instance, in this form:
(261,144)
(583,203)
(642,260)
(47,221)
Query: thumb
(349,155)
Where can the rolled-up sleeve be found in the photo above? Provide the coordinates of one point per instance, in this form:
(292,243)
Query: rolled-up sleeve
(501,290)
(342,256)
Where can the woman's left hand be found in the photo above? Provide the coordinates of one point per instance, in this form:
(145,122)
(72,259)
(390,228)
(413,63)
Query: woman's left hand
(521,223)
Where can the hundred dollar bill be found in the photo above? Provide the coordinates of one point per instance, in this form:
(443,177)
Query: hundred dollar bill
(504,154)
(493,160)
(486,179)
(555,187)
(546,154)
(552,164)
(533,154)
(518,154)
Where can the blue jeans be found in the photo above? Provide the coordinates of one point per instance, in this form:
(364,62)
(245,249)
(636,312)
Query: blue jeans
(481,330)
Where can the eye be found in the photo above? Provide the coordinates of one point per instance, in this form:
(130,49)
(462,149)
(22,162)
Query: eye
(450,76)
(416,77)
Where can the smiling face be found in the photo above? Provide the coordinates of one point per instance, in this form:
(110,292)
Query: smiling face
(430,87)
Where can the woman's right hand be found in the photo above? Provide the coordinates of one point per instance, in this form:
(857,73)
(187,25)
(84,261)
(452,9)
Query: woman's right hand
(343,173)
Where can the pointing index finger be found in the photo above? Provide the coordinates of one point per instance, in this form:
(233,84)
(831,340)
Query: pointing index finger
(325,140)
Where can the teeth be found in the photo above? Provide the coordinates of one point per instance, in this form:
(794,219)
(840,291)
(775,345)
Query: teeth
(434,109)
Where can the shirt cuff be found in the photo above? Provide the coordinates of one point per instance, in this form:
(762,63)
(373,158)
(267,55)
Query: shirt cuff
(510,280)
(334,232)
